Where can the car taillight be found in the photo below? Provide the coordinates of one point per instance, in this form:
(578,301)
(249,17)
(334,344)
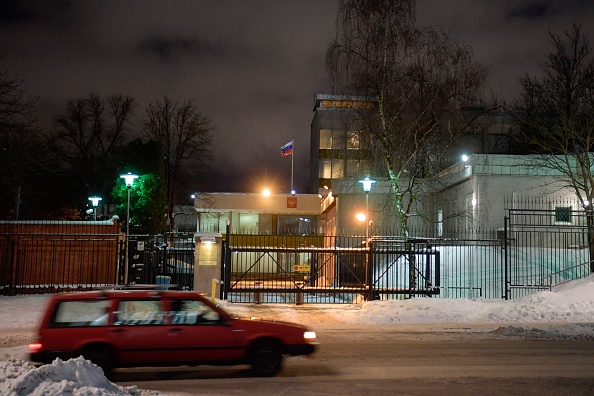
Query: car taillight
(35,347)
(309,336)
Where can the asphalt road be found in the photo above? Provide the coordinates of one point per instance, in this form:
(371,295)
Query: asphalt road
(399,361)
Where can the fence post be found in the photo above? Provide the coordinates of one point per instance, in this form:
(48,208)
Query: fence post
(370,263)
(505,259)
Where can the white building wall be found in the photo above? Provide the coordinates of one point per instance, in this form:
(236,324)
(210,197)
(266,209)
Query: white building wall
(472,195)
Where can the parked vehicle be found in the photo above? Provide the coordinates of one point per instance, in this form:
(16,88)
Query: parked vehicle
(132,328)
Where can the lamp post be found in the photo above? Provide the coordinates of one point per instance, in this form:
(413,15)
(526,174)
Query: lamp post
(95,202)
(367,182)
(129,179)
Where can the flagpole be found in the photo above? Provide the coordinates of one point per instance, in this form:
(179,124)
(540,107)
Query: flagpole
(292,159)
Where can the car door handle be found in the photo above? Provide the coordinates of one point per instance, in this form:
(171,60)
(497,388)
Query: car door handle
(237,331)
(118,331)
(175,331)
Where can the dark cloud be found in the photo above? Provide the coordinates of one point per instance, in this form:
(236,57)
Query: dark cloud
(166,48)
(251,66)
(534,9)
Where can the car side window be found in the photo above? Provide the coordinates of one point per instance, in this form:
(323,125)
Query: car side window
(139,312)
(192,312)
(81,313)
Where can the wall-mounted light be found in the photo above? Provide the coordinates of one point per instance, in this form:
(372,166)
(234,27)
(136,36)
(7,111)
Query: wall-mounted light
(207,240)
(266,192)
(464,157)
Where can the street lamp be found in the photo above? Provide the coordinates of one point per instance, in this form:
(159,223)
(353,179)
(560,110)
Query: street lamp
(129,179)
(367,182)
(95,202)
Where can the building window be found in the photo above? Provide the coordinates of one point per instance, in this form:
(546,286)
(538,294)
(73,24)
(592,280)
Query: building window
(297,225)
(325,169)
(562,214)
(331,169)
(337,168)
(325,139)
(212,221)
(353,140)
(352,168)
(331,139)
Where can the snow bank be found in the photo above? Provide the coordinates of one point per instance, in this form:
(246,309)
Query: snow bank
(73,377)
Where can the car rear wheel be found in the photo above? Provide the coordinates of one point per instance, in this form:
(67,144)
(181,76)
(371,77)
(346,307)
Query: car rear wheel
(100,355)
(266,358)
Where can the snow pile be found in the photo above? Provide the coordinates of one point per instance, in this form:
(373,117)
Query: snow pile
(73,377)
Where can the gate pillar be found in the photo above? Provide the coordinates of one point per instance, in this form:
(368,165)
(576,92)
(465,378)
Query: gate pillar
(207,260)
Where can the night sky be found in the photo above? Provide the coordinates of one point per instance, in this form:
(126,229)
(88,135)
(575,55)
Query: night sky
(253,67)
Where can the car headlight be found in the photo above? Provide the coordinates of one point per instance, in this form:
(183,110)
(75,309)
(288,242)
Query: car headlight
(309,336)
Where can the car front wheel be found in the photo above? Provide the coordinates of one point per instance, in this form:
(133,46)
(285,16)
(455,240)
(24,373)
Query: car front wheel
(266,358)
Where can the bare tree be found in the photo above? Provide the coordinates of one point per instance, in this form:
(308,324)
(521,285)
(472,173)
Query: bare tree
(88,135)
(23,154)
(555,115)
(185,136)
(417,81)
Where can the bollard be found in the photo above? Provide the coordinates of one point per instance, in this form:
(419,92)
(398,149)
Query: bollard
(259,295)
(214,289)
(299,298)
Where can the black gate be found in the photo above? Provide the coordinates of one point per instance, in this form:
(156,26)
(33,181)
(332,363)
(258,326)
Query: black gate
(404,267)
(327,269)
(544,247)
(153,262)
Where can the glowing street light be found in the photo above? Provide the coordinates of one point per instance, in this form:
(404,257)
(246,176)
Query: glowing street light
(129,179)
(95,202)
(367,182)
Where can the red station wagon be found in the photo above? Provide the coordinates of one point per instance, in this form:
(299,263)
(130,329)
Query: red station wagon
(132,328)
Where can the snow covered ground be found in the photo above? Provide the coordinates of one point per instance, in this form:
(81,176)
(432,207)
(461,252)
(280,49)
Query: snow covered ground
(567,312)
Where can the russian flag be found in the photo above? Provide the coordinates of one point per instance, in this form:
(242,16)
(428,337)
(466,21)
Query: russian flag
(287,149)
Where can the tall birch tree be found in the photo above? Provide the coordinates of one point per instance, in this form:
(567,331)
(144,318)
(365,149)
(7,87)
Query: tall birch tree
(418,82)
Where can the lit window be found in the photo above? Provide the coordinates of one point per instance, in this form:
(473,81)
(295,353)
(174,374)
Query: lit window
(325,139)
(353,142)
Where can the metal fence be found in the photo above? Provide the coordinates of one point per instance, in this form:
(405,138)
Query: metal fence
(544,245)
(538,248)
(53,256)
(153,262)
(342,269)
(39,257)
